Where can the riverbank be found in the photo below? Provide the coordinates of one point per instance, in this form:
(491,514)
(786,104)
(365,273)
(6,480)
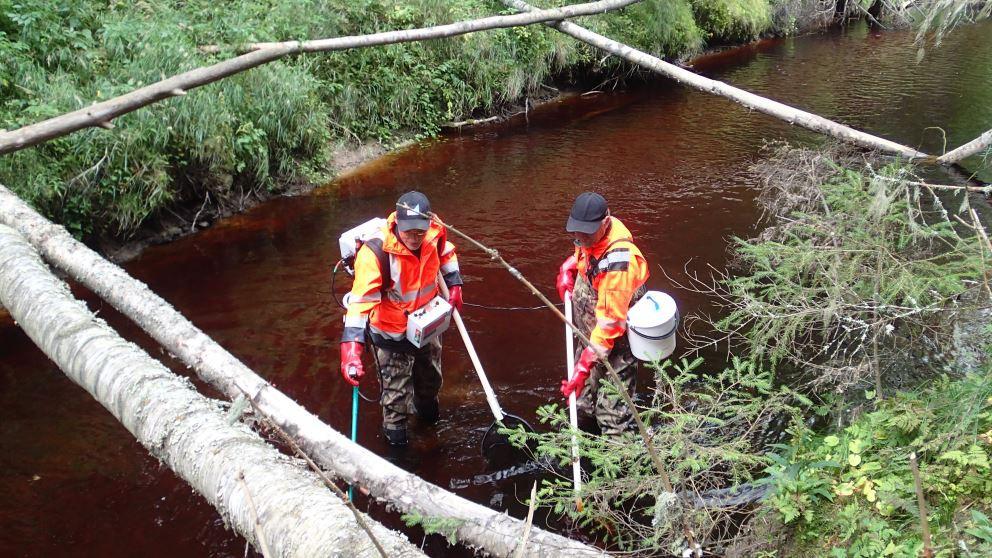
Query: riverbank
(344,158)
(347,156)
(176,166)
(673,162)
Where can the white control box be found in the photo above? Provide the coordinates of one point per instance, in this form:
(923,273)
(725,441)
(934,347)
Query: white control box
(429,321)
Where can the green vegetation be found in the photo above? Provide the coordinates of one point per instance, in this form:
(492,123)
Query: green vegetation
(856,268)
(444,526)
(865,279)
(869,296)
(733,20)
(709,430)
(274,125)
(851,493)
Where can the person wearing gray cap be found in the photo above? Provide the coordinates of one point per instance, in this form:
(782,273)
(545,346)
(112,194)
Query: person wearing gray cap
(396,274)
(605,276)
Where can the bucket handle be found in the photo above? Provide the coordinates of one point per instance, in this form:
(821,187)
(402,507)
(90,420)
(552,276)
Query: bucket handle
(659,337)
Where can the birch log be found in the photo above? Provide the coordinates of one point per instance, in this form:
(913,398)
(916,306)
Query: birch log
(756,102)
(442,31)
(479,526)
(229,465)
(973,147)
(101,114)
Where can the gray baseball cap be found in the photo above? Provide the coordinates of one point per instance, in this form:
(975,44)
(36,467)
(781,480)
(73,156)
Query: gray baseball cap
(412,218)
(588,213)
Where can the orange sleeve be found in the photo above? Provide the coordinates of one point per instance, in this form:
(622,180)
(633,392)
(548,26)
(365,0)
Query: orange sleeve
(616,288)
(449,265)
(366,294)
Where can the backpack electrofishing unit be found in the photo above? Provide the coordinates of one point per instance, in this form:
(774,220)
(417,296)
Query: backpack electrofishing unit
(423,324)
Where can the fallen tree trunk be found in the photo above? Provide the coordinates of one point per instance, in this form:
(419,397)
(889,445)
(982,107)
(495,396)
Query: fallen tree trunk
(267,498)
(478,526)
(973,147)
(101,114)
(761,104)
(441,31)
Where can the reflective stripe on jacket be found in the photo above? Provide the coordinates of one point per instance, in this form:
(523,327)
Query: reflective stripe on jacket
(616,268)
(412,283)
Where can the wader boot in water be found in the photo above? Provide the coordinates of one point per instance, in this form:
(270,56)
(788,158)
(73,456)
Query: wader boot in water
(611,413)
(410,380)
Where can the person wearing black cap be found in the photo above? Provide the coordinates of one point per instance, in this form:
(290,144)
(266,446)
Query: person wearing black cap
(395,274)
(605,276)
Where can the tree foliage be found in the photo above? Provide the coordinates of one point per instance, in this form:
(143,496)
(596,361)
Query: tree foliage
(861,273)
(711,427)
(851,493)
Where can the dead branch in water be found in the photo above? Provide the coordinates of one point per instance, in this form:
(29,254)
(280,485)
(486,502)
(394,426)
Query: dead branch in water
(772,108)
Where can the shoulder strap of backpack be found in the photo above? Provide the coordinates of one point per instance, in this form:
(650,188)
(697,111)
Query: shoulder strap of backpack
(594,262)
(442,240)
(375,244)
(617,241)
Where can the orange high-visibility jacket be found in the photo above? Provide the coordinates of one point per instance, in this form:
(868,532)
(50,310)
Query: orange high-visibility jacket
(616,268)
(412,283)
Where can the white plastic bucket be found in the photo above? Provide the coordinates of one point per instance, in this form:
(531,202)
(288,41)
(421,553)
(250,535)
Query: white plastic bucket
(651,325)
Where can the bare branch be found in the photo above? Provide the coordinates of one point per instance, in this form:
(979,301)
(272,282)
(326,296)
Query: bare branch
(979,189)
(288,440)
(259,535)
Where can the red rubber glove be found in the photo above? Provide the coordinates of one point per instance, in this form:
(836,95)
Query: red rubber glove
(351,362)
(455,297)
(566,276)
(581,373)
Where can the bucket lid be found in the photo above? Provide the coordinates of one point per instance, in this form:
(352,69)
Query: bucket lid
(654,309)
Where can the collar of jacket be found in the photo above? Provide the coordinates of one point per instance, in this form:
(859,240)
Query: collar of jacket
(617,230)
(393,244)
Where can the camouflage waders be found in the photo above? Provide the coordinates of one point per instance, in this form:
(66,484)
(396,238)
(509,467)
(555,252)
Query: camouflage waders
(410,383)
(611,413)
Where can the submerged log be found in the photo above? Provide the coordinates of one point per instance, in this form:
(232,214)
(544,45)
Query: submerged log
(761,104)
(267,498)
(478,526)
(101,114)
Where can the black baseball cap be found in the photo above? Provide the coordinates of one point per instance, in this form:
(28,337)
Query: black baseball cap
(412,218)
(588,213)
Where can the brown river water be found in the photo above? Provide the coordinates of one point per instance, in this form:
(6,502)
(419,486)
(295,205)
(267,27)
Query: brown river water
(673,165)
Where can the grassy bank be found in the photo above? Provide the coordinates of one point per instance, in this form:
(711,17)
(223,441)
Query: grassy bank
(258,132)
(851,492)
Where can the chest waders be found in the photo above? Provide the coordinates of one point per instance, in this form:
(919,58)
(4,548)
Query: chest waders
(611,414)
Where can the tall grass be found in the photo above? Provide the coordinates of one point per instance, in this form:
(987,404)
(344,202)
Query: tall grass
(273,124)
